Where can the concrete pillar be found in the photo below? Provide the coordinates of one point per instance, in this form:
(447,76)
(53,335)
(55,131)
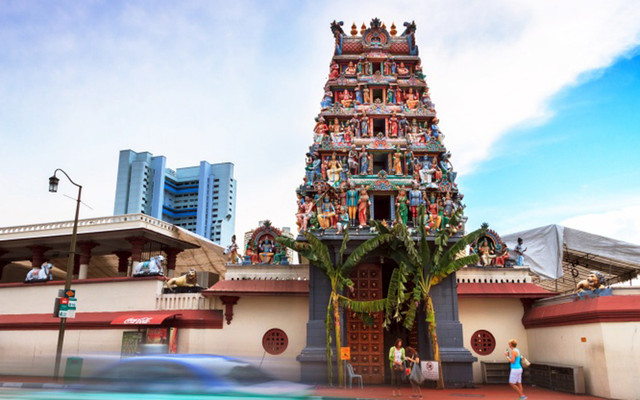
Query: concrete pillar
(137,244)
(172,254)
(123,262)
(37,255)
(85,258)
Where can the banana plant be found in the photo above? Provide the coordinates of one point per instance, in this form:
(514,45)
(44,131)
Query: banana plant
(338,272)
(424,266)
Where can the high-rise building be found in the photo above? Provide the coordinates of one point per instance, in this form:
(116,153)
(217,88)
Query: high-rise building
(201,199)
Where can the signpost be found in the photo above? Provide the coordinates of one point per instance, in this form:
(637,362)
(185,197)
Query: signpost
(66,304)
(430,370)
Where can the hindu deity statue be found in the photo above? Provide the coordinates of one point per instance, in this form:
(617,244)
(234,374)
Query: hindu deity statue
(343,220)
(426,100)
(364,162)
(232,251)
(415,201)
(346,99)
(447,168)
(435,131)
(350,69)
(364,125)
(353,160)
(485,253)
(326,214)
(418,70)
(387,67)
(366,96)
(391,96)
(352,203)
(368,68)
(519,250)
(334,71)
(402,206)
(266,251)
(363,208)
(393,126)
(359,98)
(327,99)
(320,130)
(333,171)
(348,135)
(426,174)
(402,70)
(408,162)
(411,101)
(354,123)
(397,162)
(308,211)
(399,96)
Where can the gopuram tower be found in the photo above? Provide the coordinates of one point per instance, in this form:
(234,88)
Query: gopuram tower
(377,154)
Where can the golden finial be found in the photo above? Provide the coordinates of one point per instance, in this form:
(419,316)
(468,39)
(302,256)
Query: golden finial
(393,30)
(363,28)
(354,29)
(384,26)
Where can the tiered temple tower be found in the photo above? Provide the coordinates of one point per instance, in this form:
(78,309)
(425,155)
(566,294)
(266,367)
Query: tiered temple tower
(378,154)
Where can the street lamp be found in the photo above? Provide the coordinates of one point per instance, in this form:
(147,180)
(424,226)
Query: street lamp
(53,187)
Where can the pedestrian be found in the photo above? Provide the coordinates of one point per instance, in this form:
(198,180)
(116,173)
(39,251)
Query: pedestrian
(414,377)
(515,377)
(396,358)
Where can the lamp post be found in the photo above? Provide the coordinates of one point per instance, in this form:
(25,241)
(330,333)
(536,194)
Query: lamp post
(53,187)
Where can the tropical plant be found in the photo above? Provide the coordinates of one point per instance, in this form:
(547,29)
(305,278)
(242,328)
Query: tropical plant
(425,267)
(338,273)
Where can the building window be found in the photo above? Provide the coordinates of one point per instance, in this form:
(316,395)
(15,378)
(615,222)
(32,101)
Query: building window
(483,342)
(275,341)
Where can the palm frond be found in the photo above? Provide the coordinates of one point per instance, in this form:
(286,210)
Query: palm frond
(456,264)
(303,248)
(401,232)
(379,227)
(321,250)
(463,242)
(363,251)
(343,247)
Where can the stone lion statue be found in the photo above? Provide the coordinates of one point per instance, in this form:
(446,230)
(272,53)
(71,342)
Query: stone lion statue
(187,280)
(595,280)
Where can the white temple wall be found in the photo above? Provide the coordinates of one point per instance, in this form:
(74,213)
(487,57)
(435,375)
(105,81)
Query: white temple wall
(253,316)
(502,317)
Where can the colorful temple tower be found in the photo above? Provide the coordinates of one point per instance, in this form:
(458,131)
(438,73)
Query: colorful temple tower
(378,154)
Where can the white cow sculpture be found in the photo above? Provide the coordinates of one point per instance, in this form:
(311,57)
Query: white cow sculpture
(151,267)
(41,274)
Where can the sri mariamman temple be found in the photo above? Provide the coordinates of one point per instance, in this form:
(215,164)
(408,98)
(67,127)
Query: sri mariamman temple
(377,163)
(377,150)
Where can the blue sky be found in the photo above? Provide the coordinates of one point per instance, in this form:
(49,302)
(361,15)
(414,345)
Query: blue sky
(536,100)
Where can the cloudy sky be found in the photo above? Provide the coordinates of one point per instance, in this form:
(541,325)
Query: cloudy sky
(538,100)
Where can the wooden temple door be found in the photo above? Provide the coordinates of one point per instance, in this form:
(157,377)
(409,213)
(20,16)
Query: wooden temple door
(367,342)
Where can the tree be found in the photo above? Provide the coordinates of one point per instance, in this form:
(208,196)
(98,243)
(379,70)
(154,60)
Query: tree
(338,273)
(424,267)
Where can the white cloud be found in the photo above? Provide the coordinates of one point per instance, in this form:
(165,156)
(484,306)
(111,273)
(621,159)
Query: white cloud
(622,224)
(195,81)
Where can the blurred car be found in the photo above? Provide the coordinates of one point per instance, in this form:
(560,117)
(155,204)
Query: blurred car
(190,374)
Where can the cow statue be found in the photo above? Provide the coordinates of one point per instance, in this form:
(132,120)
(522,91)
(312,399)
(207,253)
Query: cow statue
(595,280)
(41,274)
(187,280)
(153,267)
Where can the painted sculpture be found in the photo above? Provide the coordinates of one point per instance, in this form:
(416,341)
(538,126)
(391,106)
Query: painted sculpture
(492,250)
(41,274)
(190,279)
(377,116)
(150,268)
(519,250)
(596,280)
(232,251)
(261,247)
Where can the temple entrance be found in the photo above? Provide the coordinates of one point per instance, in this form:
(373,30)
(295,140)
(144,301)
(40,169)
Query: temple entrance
(366,341)
(378,124)
(382,208)
(380,162)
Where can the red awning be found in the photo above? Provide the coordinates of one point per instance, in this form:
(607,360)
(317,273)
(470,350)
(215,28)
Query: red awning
(142,319)
(522,290)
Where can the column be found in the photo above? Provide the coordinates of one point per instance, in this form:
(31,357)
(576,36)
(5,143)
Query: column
(172,254)
(123,262)
(137,244)
(37,255)
(85,258)
(3,263)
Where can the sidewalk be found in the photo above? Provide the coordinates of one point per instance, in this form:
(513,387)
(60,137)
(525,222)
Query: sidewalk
(492,392)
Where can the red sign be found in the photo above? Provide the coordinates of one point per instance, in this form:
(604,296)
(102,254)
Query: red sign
(64,300)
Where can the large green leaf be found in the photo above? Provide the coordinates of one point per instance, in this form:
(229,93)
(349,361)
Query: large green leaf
(321,250)
(460,245)
(303,248)
(456,264)
(363,251)
(401,232)
(343,247)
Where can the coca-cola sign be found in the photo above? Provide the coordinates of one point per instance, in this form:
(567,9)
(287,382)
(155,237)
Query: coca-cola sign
(137,321)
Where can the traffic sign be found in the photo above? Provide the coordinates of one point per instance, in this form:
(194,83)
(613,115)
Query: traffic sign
(70,293)
(345,353)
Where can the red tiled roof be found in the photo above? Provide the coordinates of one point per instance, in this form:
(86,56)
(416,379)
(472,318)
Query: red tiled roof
(108,320)
(258,287)
(516,290)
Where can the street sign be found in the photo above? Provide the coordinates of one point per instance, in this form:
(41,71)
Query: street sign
(345,353)
(430,370)
(66,307)
(70,293)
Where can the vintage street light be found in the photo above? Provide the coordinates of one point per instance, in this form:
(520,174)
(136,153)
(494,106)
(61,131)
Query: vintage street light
(53,187)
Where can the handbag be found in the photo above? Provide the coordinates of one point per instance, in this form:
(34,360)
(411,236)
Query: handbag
(416,374)
(524,362)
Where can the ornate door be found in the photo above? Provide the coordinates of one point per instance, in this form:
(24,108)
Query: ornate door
(367,342)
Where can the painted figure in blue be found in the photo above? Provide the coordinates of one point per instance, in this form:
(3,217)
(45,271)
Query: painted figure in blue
(435,131)
(359,95)
(447,168)
(327,100)
(364,162)
(364,126)
(354,122)
(391,96)
(408,162)
(415,201)
(317,168)
(402,126)
(520,253)
(352,204)
(343,220)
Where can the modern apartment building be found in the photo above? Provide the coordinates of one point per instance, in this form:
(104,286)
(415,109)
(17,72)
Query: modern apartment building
(201,199)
